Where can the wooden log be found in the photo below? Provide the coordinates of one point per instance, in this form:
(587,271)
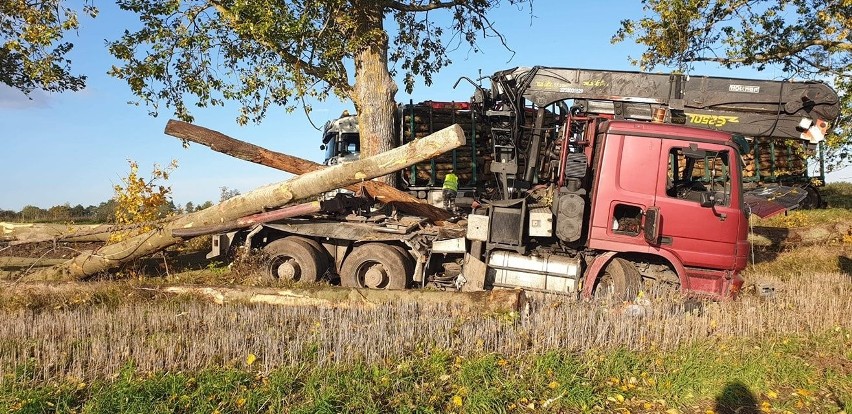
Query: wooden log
(271,196)
(243,222)
(496,301)
(482,301)
(26,262)
(19,233)
(249,152)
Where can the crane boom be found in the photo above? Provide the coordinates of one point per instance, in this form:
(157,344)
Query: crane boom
(751,107)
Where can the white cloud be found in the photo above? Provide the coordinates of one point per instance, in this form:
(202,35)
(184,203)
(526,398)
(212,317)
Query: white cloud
(11,98)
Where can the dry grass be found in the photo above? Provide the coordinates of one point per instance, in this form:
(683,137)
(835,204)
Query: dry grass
(167,335)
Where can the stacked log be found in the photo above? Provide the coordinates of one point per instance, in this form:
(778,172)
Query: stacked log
(476,152)
(790,158)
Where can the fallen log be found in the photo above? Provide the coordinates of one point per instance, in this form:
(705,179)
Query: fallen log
(244,222)
(25,262)
(483,301)
(271,196)
(18,233)
(220,142)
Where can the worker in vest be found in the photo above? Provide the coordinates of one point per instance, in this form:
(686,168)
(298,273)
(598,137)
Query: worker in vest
(451,188)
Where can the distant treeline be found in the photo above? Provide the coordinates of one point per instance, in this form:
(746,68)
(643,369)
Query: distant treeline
(102,213)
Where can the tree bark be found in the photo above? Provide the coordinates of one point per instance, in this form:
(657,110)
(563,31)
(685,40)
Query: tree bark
(375,89)
(25,262)
(244,222)
(272,196)
(249,152)
(19,233)
(483,301)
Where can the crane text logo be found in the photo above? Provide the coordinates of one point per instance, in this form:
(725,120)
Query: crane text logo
(744,88)
(711,120)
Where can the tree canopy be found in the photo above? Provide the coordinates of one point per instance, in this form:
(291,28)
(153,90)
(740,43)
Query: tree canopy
(32,52)
(265,52)
(809,39)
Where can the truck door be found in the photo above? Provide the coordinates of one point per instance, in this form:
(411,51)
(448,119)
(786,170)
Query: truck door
(702,235)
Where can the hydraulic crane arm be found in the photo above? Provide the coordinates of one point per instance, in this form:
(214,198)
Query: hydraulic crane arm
(756,108)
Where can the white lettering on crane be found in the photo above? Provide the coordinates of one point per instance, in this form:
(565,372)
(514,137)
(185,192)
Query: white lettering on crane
(744,88)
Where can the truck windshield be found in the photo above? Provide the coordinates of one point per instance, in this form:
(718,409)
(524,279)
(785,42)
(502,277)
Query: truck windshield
(350,143)
(692,172)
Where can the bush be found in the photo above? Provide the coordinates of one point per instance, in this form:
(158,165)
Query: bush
(141,201)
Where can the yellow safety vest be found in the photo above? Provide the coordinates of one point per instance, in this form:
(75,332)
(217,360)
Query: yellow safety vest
(451,182)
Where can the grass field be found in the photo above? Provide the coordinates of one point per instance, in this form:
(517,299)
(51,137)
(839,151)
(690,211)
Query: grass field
(784,346)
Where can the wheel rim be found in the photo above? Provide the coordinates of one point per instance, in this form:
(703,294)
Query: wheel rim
(285,268)
(605,289)
(373,275)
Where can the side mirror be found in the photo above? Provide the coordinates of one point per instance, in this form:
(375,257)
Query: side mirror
(322,147)
(708,199)
(652,225)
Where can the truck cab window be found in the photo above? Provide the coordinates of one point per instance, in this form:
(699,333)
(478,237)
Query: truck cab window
(350,143)
(694,171)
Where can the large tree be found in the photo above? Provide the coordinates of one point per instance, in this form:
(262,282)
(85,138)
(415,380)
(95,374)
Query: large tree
(271,52)
(805,38)
(33,54)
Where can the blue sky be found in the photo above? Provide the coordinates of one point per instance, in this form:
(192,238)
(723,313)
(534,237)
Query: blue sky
(73,147)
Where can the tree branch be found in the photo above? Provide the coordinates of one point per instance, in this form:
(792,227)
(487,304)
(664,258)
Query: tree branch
(434,5)
(308,68)
(780,55)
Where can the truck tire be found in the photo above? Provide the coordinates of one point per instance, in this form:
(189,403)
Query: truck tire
(813,200)
(295,258)
(375,266)
(620,281)
(408,259)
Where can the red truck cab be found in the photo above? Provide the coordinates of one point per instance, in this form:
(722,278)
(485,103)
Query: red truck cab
(690,180)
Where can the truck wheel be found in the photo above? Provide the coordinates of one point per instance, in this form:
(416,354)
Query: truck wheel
(294,258)
(375,266)
(407,258)
(619,282)
(813,200)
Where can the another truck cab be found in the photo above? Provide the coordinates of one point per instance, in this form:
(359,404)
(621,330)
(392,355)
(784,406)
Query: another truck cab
(340,140)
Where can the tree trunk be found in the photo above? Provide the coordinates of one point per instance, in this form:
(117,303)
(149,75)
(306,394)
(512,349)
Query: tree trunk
(21,263)
(483,301)
(375,89)
(19,233)
(272,196)
(295,165)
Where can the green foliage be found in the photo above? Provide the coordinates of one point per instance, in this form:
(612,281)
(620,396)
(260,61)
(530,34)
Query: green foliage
(806,38)
(60,213)
(105,211)
(264,53)
(32,213)
(838,195)
(226,193)
(770,376)
(32,53)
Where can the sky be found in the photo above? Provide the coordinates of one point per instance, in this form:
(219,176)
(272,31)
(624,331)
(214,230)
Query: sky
(73,147)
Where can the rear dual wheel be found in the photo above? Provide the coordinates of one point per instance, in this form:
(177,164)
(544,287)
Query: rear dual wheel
(376,266)
(296,258)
